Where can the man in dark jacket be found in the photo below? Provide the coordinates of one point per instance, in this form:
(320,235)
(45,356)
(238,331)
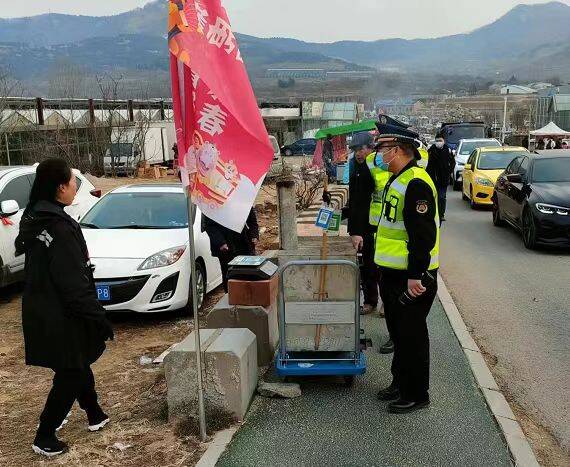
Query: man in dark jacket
(360,189)
(440,167)
(226,244)
(64,324)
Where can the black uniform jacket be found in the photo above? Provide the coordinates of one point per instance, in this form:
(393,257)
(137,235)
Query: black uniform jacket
(63,322)
(419,213)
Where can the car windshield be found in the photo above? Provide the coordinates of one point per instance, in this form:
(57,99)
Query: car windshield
(496,160)
(468,147)
(138,211)
(552,170)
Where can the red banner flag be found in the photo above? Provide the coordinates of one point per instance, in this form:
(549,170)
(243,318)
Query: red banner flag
(223,147)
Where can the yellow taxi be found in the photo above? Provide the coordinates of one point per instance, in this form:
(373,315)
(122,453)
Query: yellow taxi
(482,170)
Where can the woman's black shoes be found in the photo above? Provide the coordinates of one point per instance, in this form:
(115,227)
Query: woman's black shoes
(98,421)
(49,446)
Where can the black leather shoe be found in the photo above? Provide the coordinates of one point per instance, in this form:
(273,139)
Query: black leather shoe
(387,348)
(390,393)
(403,406)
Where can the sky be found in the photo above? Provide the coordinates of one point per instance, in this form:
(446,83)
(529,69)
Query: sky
(315,20)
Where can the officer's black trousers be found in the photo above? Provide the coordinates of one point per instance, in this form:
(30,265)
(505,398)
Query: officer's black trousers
(69,385)
(370,274)
(408,329)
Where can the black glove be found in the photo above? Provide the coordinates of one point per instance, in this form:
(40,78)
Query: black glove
(327,198)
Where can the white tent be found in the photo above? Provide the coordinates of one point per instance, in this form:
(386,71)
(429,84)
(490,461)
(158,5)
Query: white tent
(550,130)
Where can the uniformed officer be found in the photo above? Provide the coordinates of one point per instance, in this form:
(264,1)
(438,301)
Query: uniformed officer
(407,252)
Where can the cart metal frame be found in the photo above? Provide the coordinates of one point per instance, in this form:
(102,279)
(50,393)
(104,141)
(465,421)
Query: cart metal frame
(347,364)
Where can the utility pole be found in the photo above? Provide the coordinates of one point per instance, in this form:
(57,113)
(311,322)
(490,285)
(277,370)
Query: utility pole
(505,118)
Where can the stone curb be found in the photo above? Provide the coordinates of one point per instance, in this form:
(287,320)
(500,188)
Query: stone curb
(216,447)
(519,446)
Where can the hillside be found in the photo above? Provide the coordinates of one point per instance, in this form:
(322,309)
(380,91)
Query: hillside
(528,40)
(524,28)
(53,29)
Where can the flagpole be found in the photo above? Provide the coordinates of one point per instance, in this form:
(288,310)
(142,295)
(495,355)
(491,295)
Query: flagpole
(194,293)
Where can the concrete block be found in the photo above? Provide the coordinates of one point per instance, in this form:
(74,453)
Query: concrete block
(521,451)
(262,321)
(229,373)
(481,370)
(466,340)
(498,404)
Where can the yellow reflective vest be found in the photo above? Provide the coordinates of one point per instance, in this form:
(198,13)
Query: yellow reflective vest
(425,158)
(392,237)
(380,177)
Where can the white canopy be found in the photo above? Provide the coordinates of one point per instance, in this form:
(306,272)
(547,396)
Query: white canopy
(550,130)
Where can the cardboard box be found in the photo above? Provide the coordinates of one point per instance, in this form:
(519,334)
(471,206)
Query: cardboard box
(253,293)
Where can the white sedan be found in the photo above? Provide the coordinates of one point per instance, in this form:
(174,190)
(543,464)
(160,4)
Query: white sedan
(15,186)
(138,242)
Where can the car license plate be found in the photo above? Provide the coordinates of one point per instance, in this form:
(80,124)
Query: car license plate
(103,293)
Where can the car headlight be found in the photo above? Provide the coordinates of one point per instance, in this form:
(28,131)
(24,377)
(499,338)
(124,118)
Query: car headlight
(163,258)
(551,209)
(483,181)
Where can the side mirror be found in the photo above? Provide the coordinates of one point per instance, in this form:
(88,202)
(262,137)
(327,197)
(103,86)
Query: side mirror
(9,208)
(467,167)
(515,178)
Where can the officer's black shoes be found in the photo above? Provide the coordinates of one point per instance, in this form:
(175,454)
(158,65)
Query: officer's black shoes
(387,348)
(49,446)
(389,394)
(403,406)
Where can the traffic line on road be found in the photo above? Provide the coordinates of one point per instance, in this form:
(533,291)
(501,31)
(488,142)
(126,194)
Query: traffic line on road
(517,442)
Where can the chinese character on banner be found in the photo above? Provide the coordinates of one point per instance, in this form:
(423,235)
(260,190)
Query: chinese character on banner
(223,147)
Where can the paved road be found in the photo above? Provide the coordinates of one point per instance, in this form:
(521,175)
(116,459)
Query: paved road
(331,425)
(517,302)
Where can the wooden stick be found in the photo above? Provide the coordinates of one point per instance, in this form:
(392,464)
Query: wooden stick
(323,281)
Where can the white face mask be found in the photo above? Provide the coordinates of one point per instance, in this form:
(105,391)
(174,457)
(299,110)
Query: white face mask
(439,144)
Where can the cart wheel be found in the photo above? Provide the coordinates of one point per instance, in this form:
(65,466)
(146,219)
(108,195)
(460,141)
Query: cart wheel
(349,381)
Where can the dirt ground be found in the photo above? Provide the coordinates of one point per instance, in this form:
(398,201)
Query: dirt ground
(133,395)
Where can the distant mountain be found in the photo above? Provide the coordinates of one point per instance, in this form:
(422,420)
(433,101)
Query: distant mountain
(524,28)
(529,37)
(138,52)
(52,29)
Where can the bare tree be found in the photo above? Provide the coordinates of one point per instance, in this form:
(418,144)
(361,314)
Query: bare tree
(67,80)
(9,87)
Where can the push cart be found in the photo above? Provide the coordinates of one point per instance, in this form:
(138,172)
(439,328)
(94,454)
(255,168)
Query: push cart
(320,338)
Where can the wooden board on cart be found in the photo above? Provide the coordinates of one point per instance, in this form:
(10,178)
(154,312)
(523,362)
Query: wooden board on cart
(336,320)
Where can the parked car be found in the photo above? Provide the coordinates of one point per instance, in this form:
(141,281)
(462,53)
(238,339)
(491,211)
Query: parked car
(302,147)
(482,170)
(533,195)
(138,241)
(456,131)
(15,186)
(464,149)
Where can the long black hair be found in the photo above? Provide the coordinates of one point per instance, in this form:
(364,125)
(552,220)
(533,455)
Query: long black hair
(50,174)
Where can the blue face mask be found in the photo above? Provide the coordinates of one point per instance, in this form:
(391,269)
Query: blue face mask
(379,161)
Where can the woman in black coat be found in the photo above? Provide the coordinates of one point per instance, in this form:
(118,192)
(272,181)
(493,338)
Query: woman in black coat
(64,324)
(226,244)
